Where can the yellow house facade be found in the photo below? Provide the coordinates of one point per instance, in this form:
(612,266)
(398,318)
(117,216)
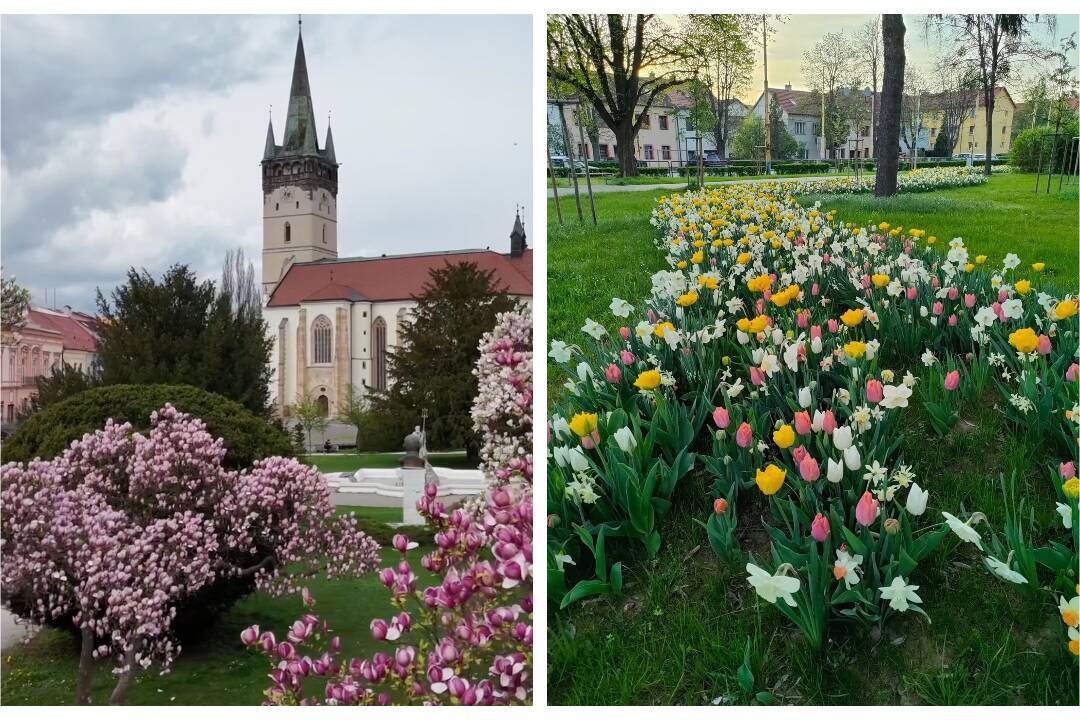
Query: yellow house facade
(972,136)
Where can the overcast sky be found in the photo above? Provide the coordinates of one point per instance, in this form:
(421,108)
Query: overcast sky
(136,141)
(798,33)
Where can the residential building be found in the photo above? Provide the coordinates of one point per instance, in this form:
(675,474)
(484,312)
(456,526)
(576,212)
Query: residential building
(800,111)
(972,135)
(657,143)
(334,321)
(688,134)
(47,341)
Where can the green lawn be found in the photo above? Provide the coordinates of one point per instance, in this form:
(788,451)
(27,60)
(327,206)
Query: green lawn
(346,462)
(669,180)
(217,670)
(677,633)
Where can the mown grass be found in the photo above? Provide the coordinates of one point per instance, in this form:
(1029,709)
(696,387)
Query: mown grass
(215,670)
(676,635)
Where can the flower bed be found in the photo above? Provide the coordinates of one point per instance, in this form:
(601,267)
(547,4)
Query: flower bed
(920,180)
(776,355)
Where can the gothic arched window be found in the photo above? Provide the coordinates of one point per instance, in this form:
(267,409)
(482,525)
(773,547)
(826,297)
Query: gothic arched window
(288,232)
(378,354)
(321,336)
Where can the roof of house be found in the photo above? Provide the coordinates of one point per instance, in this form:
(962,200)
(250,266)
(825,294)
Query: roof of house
(392,277)
(75,332)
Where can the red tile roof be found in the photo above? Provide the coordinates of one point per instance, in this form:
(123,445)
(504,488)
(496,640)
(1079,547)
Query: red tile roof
(397,277)
(76,336)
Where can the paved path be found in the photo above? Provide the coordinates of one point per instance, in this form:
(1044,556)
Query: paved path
(568,192)
(11,632)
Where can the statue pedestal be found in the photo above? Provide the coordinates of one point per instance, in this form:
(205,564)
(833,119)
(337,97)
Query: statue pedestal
(412,489)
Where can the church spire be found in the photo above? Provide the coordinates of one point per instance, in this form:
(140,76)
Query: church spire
(328,150)
(517,236)
(300,137)
(271,148)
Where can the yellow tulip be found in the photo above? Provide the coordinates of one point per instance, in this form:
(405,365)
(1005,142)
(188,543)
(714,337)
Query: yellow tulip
(852,317)
(1024,340)
(1065,309)
(969,267)
(707,282)
(648,380)
(770,480)
(784,437)
(583,423)
(686,299)
(1038,267)
(662,328)
(697,257)
(1022,286)
(1071,487)
(855,349)
(880,280)
(681,264)
(980,259)
(743,259)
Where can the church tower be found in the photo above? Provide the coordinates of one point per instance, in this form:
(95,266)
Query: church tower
(299,186)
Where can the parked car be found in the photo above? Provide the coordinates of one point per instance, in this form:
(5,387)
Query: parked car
(561,162)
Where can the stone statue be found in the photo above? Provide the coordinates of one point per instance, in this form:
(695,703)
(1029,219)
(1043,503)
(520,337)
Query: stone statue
(413,443)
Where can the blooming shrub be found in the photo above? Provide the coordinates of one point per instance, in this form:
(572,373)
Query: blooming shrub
(776,326)
(122,527)
(919,180)
(467,638)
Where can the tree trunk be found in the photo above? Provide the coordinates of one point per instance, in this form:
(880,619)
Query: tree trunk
(127,677)
(624,137)
(892,92)
(86,667)
(988,163)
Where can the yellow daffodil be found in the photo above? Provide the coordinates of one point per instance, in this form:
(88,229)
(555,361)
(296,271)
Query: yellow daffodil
(855,349)
(662,328)
(883,226)
(686,299)
(770,479)
(880,280)
(697,257)
(1065,309)
(980,259)
(1024,340)
(648,380)
(743,259)
(681,264)
(852,317)
(707,282)
(583,423)
(1038,267)
(1022,286)
(784,437)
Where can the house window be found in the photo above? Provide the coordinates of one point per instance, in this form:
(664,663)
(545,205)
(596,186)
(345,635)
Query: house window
(817,129)
(288,232)
(690,125)
(645,122)
(649,152)
(663,122)
(971,130)
(324,233)
(800,128)
(321,335)
(933,132)
(605,152)
(378,346)
(864,130)
(1003,130)
(665,152)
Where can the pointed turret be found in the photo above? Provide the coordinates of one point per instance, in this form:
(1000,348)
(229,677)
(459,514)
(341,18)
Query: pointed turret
(271,148)
(300,137)
(328,151)
(517,237)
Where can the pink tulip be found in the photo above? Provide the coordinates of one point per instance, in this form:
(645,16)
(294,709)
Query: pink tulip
(1044,345)
(953,293)
(952,320)
(651,315)
(815,331)
(627,357)
(865,282)
(874,391)
(798,453)
(802,422)
(760,305)
(934,282)
(1073,372)
(825,257)
(952,380)
(912,293)
(814,289)
(1067,470)
(624,332)
(767,294)
(866,511)
(803,319)
(833,326)
(969,300)
(819,529)
(938,308)
(744,436)
(998,311)
(809,469)
(613,373)
(721,417)
(828,422)
(1002,296)
(756,376)
(587,443)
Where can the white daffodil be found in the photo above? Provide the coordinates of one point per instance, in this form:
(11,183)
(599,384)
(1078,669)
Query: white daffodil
(985,316)
(847,568)
(584,371)
(773,587)
(624,438)
(1011,261)
(895,396)
(593,328)
(1065,512)
(560,353)
(916,500)
(620,308)
(900,595)
(562,560)
(963,530)
(1003,571)
(644,330)
(770,365)
(841,437)
(1013,308)
(928,358)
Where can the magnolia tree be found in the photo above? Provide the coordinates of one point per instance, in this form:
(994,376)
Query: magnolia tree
(467,638)
(112,536)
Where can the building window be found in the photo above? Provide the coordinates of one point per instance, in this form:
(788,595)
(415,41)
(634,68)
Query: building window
(649,152)
(690,125)
(378,346)
(324,405)
(324,233)
(605,152)
(277,206)
(971,130)
(663,122)
(800,128)
(645,123)
(817,129)
(665,152)
(321,336)
(288,232)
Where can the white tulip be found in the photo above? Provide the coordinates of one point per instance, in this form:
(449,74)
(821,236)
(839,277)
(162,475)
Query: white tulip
(841,437)
(562,455)
(561,428)
(584,371)
(916,500)
(804,397)
(836,471)
(816,422)
(624,438)
(578,461)
(815,345)
(852,458)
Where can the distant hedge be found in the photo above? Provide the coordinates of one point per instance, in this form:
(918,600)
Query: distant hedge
(45,434)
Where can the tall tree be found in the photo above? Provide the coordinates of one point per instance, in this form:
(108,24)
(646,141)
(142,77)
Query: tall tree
(620,64)
(355,412)
(868,46)
(827,67)
(722,60)
(989,46)
(912,108)
(14,304)
(892,93)
(432,366)
(953,100)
